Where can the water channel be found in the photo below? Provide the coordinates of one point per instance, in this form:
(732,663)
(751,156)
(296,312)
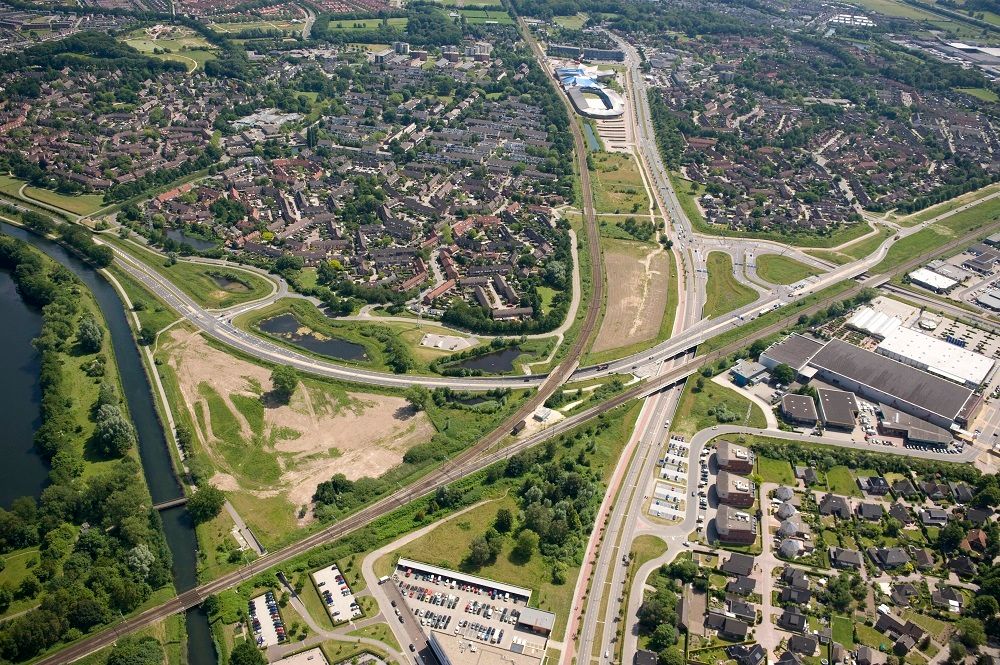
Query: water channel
(16,377)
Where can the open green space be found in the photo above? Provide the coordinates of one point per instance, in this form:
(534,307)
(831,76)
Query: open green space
(16,566)
(778,269)
(983,94)
(947,206)
(711,404)
(78,204)
(283,26)
(353,25)
(840,480)
(939,233)
(474,16)
(153,313)
(617,184)
(687,191)
(574,22)
(775,471)
(856,250)
(378,631)
(724,293)
(179,45)
(213,287)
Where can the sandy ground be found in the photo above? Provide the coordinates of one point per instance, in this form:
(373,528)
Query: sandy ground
(637,296)
(360,435)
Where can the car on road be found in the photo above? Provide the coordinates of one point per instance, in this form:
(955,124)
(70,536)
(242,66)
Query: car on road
(413,648)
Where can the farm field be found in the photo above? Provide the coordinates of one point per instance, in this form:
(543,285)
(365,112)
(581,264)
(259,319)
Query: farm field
(638,277)
(348,25)
(724,293)
(778,269)
(618,186)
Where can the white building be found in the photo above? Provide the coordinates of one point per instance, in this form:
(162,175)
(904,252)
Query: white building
(936,356)
(932,281)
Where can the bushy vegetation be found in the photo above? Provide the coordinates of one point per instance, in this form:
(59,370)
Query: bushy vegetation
(101,548)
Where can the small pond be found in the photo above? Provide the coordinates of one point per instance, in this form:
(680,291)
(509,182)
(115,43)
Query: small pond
(199,244)
(494,362)
(230,285)
(288,327)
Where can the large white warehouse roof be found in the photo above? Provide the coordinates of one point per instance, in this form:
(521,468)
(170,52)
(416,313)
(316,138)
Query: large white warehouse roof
(936,356)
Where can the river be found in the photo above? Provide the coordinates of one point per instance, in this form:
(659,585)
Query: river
(156,462)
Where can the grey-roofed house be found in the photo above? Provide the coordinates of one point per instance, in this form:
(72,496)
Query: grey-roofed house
(904,487)
(741,586)
(874,485)
(923,559)
(845,558)
(745,654)
(962,566)
(979,516)
(747,373)
(795,577)
(643,657)
(961,492)
(832,504)
(795,596)
(889,557)
(803,644)
(947,598)
(871,512)
(807,475)
(899,512)
(537,621)
(792,619)
(900,386)
(837,409)
(742,610)
(789,658)
(800,409)
(727,627)
(901,594)
(933,517)
(868,656)
(738,564)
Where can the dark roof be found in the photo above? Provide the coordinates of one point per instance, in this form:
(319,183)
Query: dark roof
(742,609)
(741,586)
(837,407)
(807,474)
(904,487)
(800,407)
(889,557)
(962,565)
(792,619)
(844,557)
(794,351)
(804,644)
(831,504)
(795,595)
(924,558)
(978,515)
(900,512)
(789,658)
(905,383)
(738,564)
(747,655)
(646,658)
(961,491)
(915,429)
(870,511)
(795,577)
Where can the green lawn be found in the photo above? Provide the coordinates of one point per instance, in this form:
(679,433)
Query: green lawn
(645,548)
(983,94)
(80,204)
(947,206)
(474,16)
(843,631)
(938,234)
(724,293)
(778,269)
(349,25)
(379,631)
(854,251)
(574,22)
(870,637)
(841,480)
(775,471)
(693,410)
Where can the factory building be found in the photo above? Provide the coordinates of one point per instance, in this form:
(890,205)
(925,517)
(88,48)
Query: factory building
(936,356)
(932,281)
(794,351)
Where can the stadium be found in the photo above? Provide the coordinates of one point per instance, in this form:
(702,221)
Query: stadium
(589,96)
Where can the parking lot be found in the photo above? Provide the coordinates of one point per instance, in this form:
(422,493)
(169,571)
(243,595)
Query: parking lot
(465,606)
(265,620)
(336,594)
(669,500)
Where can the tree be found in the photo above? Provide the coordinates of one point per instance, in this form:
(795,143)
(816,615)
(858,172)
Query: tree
(114,432)
(504,521)
(212,605)
(90,335)
(671,656)
(246,653)
(783,374)
(956,652)
(684,570)
(950,537)
(527,543)
(132,650)
(284,379)
(971,632)
(205,503)
(983,607)
(418,397)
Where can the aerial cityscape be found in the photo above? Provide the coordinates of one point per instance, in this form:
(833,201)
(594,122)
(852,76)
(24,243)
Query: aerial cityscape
(500,332)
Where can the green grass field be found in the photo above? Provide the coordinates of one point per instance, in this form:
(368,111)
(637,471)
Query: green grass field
(617,184)
(693,410)
(946,206)
(352,25)
(841,480)
(775,471)
(983,94)
(80,204)
(724,293)
(927,239)
(854,251)
(284,26)
(184,46)
(778,269)
(474,16)
(574,22)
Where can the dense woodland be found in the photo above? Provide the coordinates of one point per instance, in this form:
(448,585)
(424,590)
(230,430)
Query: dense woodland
(101,549)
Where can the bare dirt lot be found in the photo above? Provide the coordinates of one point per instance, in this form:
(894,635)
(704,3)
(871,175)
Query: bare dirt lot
(269,449)
(638,278)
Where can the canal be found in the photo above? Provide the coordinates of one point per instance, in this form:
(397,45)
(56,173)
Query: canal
(156,462)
